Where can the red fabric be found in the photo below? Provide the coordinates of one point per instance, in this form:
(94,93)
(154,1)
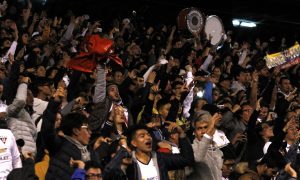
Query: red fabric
(164,150)
(98,48)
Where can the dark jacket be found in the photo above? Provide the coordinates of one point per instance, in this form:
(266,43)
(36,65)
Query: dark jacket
(60,149)
(26,172)
(166,162)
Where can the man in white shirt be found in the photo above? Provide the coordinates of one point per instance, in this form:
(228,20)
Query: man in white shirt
(9,153)
(150,165)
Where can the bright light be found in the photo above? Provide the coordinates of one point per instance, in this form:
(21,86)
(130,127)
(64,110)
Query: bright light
(235,22)
(248,24)
(243,23)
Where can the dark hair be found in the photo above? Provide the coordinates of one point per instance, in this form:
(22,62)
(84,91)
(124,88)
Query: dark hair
(174,84)
(160,103)
(132,131)
(283,78)
(71,121)
(92,164)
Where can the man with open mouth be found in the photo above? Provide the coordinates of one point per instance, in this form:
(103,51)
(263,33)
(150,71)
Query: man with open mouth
(148,164)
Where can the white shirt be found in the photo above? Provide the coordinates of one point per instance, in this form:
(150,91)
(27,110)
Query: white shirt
(220,139)
(9,153)
(148,171)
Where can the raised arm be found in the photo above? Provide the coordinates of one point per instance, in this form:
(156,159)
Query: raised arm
(20,100)
(100,89)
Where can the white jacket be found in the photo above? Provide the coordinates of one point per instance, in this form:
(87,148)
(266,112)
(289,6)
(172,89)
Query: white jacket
(9,153)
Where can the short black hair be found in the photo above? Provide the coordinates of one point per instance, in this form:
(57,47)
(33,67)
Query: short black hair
(132,131)
(160,103)
(92,164)
(71,121)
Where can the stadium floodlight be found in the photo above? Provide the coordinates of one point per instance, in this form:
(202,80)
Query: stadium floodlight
(243,23)
(236,22)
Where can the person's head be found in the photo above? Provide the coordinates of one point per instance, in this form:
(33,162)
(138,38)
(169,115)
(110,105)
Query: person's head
(57,120)
(229,157)
(292,134)
(76,126)
(199,103)
(264,72)
(246,112)
(215,95)
(140,139)
(43,87)
(292,116)
(217,71)
(265,130)
(285,84)
(264,111)
(201,124)
(93,170)
(241,76)
(41,71)
(118,77)
(163,107)
(176,86)
(25,38)
(113,91)
(225,82)
(271,163)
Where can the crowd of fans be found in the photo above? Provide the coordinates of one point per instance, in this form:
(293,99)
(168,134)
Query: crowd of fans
(178,108)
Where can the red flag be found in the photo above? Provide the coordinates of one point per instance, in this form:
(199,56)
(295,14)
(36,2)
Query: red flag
(98,49)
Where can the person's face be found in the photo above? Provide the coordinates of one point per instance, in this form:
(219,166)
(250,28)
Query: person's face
(225,84)
(285,85)
(216,95)
(164,110)
(25,38)
(178,44)
(263,114)
(139,82)
(57,120)
(217,71)
(84,134)
(41,71)
(267,131)
(1,89)
(118,77)
(200,129)
(142,141)
(119,115)
(292,116)
(248,77)
(93,174)
(246,113)
(113,93)
(120,43)
(200,103)
(46,89)
(242,78)
(291,133)
(227,167)
(265,72)
(177,90)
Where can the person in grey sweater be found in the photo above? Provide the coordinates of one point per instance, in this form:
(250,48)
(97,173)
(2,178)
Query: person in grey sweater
(207,155)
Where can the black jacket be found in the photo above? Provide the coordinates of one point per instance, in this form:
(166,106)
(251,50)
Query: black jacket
(166,162)
(60,149)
